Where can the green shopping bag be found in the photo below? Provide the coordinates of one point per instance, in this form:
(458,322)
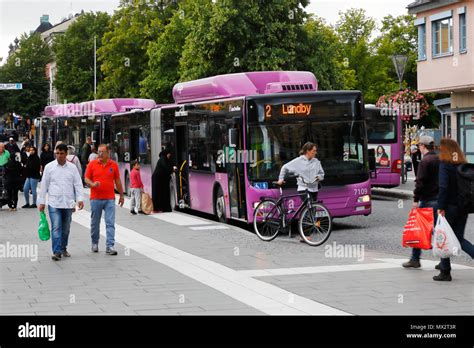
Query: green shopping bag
(43,228)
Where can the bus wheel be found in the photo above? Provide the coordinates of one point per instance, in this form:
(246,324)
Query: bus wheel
(219,206)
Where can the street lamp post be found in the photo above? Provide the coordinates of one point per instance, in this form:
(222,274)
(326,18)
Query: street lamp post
(95,66)
(400,62)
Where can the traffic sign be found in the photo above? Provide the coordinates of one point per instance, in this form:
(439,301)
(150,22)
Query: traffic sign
(11,86)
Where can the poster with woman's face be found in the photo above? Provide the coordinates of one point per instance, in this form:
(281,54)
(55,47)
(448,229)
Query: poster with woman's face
(382,155)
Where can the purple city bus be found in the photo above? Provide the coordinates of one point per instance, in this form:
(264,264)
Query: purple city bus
(72,123)
(232,133)
(384,133)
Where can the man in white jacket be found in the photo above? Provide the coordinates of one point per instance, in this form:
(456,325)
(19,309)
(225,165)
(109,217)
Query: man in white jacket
(63,186)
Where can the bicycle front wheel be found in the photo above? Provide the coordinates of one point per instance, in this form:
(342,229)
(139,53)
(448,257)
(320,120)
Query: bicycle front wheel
(267,220)
(315,224)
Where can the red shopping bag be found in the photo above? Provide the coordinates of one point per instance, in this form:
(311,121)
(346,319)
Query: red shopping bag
(418,229)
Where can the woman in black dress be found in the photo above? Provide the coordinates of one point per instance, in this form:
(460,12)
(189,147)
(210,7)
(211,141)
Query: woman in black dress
(14,180)
(161,182)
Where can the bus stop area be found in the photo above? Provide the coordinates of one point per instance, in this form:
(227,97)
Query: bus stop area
(182,264)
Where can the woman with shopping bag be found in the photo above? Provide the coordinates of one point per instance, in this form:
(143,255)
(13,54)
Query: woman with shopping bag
(451,156)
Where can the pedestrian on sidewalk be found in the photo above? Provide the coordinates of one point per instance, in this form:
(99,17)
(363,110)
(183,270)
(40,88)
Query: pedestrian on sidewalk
(415,157)
(86,150)
(136,187)
(451,156)
(4,155)
(93,155)
(101,176)
(425,194)
(63,185)
(32,175)
(71,157)
(161,192)
(26,141)
(12,146)
(46,156)
(14,180)
(25,153)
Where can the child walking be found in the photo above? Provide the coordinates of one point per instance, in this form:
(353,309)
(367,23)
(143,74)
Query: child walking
(136,188)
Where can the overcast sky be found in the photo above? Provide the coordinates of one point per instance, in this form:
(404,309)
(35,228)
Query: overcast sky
(19,16)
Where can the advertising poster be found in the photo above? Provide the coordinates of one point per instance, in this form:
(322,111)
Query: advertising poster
(382,155)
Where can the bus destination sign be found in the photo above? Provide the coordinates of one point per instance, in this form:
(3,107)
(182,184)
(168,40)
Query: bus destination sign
(288,110)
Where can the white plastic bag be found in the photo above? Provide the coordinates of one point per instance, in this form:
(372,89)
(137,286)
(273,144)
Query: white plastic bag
(445,244)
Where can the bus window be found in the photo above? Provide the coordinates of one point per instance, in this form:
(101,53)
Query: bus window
(120,146)
(380,129)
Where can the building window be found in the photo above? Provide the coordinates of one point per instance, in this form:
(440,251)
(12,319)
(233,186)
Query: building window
(442,37)
(448,126)
(422,42)
(462,33)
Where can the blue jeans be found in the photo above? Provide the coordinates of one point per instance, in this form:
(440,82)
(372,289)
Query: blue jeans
(108,206)
(416,253)
(60,227)
(457,221)
(30,183)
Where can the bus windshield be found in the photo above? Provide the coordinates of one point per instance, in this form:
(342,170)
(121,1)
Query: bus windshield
(340,143)
(380,129)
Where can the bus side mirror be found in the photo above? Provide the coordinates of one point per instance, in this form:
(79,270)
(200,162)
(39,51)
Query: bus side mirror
(233,137)
(372,162)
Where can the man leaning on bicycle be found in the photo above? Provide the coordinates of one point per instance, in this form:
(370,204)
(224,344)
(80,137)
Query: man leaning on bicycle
(307,168)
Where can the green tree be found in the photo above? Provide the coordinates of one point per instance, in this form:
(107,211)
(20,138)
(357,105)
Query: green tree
(398,35)
(28,66)
(355,29)
(123,57)
(164,55)
(74,52)
(206,38)
(233,36)
(323,54)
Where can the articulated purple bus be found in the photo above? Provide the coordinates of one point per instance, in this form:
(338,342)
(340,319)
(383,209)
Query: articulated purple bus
(123,123)
(232,133)
(384,134)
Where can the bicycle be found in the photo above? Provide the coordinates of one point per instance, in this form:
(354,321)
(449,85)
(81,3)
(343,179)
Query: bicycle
(314,219)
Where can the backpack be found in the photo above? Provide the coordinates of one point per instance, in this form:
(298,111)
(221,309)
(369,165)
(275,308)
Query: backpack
(465,179)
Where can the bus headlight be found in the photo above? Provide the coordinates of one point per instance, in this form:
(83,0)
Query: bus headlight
(363,199)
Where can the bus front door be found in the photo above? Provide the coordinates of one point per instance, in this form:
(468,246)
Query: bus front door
(235,173)
(182,175)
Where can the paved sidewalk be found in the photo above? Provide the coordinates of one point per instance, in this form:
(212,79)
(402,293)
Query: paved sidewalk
(180,264)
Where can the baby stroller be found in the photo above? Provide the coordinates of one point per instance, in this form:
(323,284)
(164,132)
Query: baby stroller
(3,189)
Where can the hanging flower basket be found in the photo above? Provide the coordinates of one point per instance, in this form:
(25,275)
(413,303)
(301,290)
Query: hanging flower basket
(407,104)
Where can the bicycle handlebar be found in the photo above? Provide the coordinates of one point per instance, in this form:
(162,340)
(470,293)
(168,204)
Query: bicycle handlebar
(299,176)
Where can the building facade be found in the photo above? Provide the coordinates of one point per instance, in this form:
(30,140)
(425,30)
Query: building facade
(446,63)
(51,69)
